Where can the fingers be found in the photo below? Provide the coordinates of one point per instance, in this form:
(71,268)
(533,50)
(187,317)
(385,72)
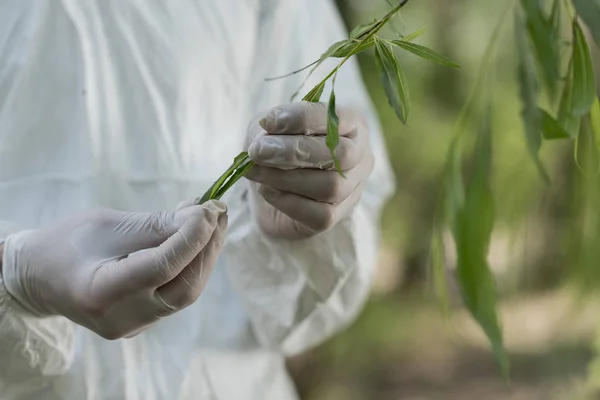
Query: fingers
(324,186)
(188,203)
(307,118)
(189,284)
(128,232)
(157,266)
(291,152)
(316,216)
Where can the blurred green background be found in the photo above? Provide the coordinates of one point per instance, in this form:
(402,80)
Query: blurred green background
(403,346)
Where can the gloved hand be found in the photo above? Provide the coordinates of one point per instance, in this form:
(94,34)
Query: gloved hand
(297,192)
(116,272)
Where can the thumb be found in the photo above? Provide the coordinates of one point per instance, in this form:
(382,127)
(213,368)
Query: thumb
(139,231)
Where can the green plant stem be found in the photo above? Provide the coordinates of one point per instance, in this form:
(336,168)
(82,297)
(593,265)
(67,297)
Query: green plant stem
(242,162)
(240,166)
(365,37)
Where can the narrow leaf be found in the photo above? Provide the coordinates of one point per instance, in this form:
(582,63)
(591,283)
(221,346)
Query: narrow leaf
(216,189)
(314,96)
(589,11)
(393,80)
(528,91)
(584,79)
(362,29)
(425,53)
(333,130)
(595,122)
(566,119)
(475,221)
(586,153)
(546,47)
(412,36)
(551,129)
(334,48)
(454,191)
(352,47)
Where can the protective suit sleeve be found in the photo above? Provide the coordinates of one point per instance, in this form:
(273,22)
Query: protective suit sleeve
(33,350)
(299,293)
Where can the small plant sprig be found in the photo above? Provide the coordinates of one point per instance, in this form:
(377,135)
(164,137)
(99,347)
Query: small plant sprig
(393,79)
(241,165)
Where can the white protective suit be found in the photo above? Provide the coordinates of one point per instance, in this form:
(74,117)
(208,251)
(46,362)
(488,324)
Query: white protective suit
(138,105)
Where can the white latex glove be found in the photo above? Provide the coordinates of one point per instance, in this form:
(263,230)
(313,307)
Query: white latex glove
(90,268)
(297,191)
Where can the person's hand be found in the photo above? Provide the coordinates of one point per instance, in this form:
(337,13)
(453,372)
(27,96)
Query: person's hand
(297,191)
(116,272)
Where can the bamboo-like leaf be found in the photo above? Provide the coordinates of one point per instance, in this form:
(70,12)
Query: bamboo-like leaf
(335,48)
(528,91)
(362,29)
(551,129)
(566,119)
(228,178)
(474,225)
(412,36)
(454,190)
(393,80)
(541,33)
(314,96)
(585,150)
(352,47)
(589,11)
(333,130)
(584,79)
(425,53)
(555,21)
(595,122)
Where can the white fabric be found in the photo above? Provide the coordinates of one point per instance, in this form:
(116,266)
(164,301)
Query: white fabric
(137,105)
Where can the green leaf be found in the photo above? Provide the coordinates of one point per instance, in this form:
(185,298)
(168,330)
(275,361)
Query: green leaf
(584,79)
(334,48)
(362,29)
(314,96)
(474,225)
(551,129)
(587,143)
(333,130)
(528,91)
(352,47)
(393,80)
(474,228)
(555,20)
(233,178)
(589,11)
(241,161)
(454,191)
(586,153)
(566,119)
(541,33)
(425,53)
(595,122)
(412,36)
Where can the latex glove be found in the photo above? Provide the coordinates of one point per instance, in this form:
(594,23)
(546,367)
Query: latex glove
(91,269)
(297,191)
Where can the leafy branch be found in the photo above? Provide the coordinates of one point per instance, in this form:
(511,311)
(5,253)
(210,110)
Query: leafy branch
(393,79)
